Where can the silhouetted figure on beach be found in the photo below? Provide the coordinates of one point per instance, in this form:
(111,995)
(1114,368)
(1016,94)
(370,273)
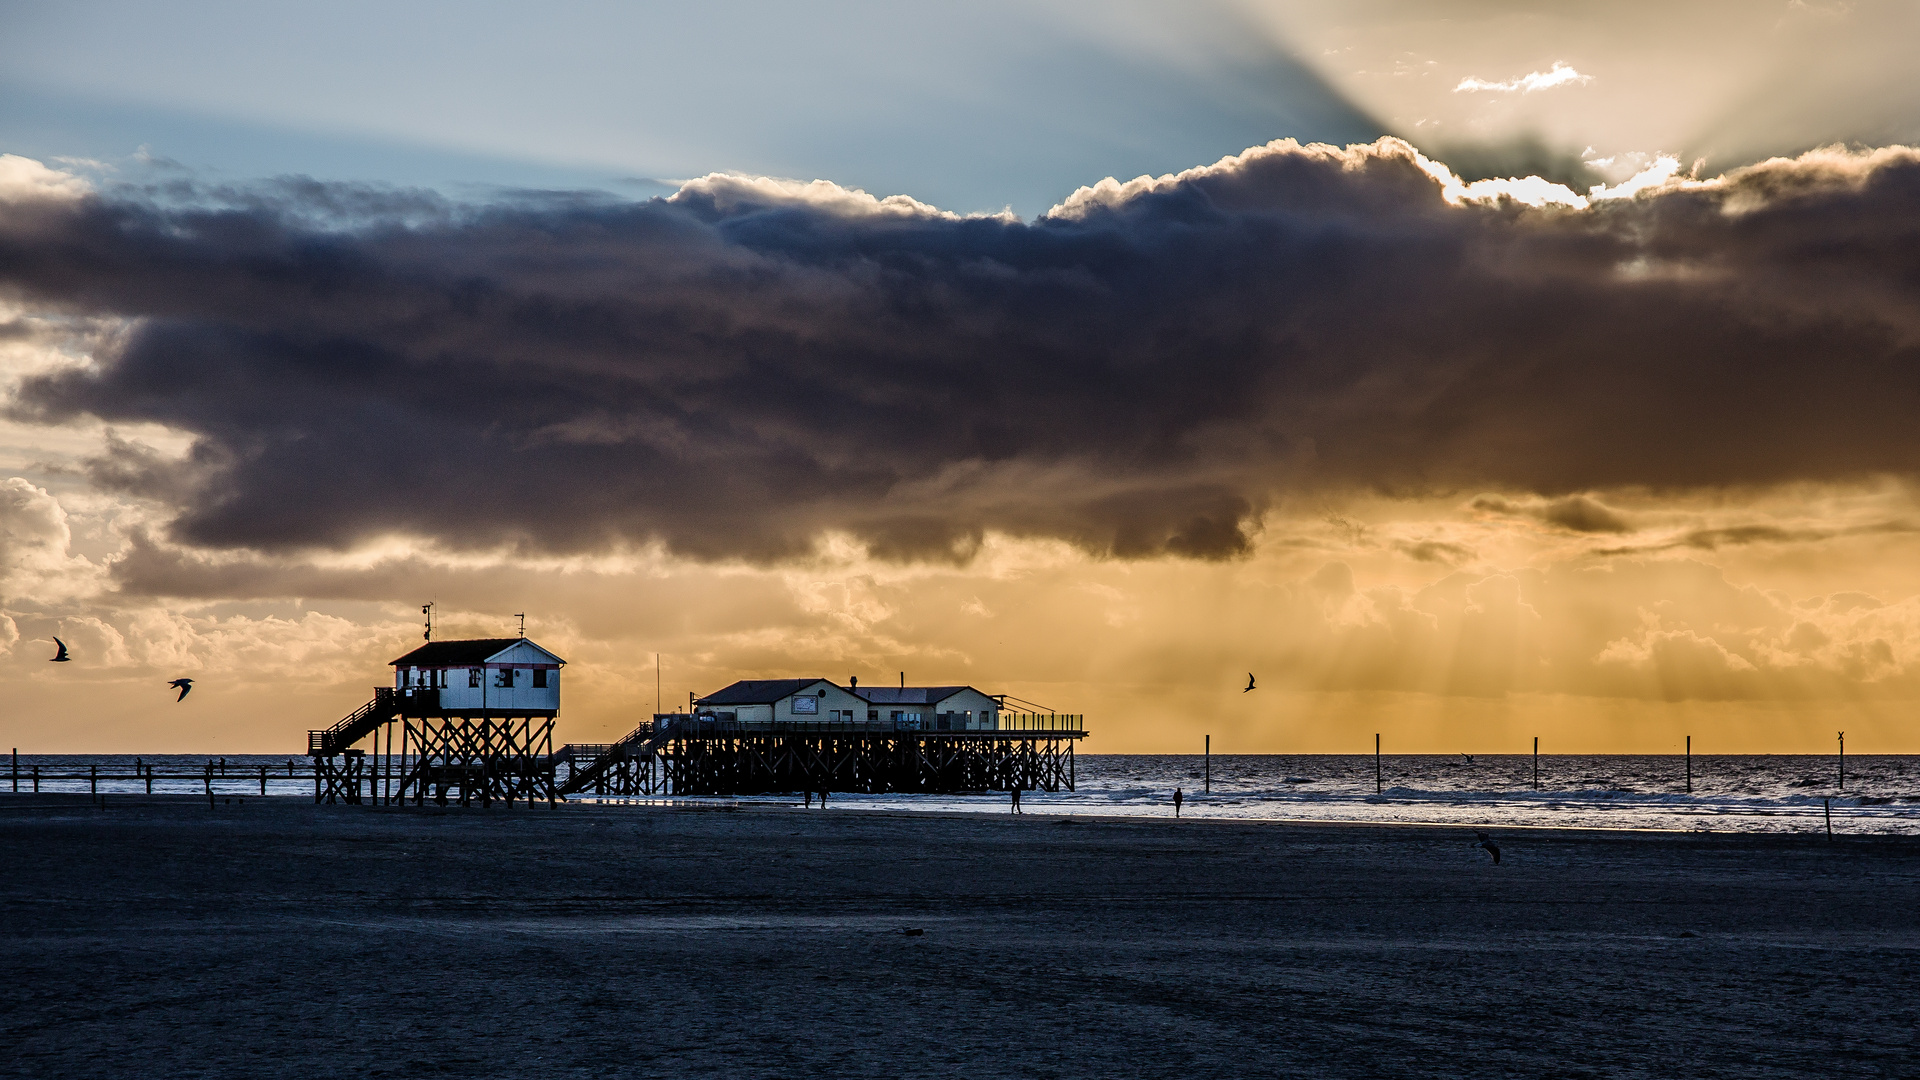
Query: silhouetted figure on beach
(1493,849)
(1178,798)
(223,766)
(60,657)
(823,798)
(1016,800)
(809,796)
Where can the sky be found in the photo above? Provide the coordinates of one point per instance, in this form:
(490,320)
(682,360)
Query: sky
(1468,371)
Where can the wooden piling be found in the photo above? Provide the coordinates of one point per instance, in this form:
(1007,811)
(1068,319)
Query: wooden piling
(149,771)
(36,779)
(1689,764)
(93,781)
(1376,763)
(1829,805)
(1536,763)
(1209,764)
(16,770)
(1843,761)
(263,779)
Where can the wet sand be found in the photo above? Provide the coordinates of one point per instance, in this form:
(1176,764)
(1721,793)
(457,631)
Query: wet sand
(276,938)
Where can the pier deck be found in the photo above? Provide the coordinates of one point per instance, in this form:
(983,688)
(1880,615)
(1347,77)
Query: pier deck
(681,755)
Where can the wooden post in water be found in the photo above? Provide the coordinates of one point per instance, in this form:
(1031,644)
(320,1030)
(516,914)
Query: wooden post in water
(263,780)
(1536,763)
(1208,758)
(36,779)
(93,781)
(1843,761)
(149,771)
(1689,764)
(1829,805)
(1376,763)
(16,770)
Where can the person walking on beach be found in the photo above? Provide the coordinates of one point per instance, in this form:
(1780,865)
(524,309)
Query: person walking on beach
(1016,800)
(1178,798)
(809,794)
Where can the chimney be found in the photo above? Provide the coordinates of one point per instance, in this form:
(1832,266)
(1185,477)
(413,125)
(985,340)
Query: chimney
(853,682)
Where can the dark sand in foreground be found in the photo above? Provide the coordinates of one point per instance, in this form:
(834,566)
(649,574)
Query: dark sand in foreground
(276,938)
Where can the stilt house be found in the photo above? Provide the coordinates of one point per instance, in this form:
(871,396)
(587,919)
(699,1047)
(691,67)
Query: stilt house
(481,676)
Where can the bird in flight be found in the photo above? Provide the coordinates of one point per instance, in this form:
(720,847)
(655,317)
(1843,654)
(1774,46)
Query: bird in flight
(1249,683)
(1493,849)
(60,657)
(1468,756)
(185,685)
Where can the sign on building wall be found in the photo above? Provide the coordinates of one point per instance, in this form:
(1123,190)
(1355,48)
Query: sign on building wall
(806,705)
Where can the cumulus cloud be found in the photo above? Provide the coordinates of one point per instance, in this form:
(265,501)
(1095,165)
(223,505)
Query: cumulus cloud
(748,366)
(1557,75)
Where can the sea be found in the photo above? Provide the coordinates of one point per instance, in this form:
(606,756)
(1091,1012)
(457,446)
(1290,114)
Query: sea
(1746,793)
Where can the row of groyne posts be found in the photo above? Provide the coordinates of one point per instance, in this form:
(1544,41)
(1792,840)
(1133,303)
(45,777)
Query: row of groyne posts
(146,774)
(1379,784)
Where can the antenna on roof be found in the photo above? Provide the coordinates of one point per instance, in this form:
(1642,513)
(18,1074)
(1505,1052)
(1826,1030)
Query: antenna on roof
(522,616)
(427,610)
(903,680)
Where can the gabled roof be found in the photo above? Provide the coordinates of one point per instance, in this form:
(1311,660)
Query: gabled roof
(907,695)
(457,653)
(758,691)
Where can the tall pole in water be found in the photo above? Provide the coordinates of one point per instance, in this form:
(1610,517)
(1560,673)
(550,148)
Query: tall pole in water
(1843,761)
(1209,760)
(1689,764)
(1376,763)
(1536,763)
(656,683)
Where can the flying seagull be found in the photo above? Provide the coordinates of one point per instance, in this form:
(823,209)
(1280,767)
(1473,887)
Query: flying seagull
(1468,756)
(1493,849)
(1249,682)
(185,685)
(60,657)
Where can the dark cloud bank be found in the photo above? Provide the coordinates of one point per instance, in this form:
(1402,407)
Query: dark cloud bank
(733,370)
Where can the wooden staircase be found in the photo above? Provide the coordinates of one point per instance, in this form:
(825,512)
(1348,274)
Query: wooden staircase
(598,758)
(329,743)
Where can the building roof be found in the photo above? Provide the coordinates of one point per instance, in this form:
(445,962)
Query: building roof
(757,691)
(457,653)
(907,695)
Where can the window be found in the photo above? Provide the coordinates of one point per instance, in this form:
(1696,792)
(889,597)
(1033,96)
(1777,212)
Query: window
(539,678)
(873,715)
(503,679)
(443,678)
(473,678)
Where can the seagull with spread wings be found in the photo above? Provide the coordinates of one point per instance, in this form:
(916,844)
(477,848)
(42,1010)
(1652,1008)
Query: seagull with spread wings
(185,686)
(60,657)
(1249,688)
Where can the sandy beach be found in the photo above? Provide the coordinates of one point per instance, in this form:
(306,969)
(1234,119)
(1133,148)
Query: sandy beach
(275,938)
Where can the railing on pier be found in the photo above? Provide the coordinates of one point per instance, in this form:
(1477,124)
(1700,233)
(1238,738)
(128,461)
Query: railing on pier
(928,724)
